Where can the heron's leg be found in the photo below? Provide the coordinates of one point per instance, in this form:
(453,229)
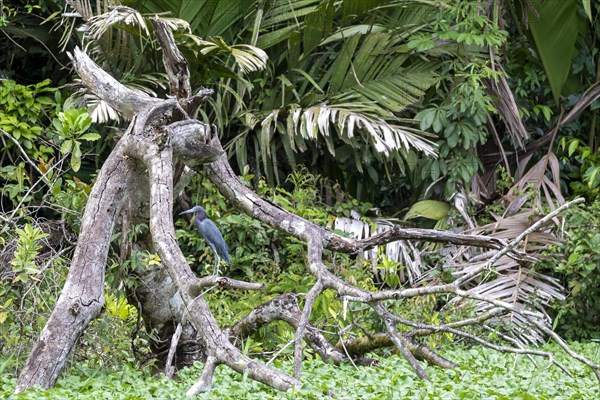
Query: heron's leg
(217,260)
(217,264)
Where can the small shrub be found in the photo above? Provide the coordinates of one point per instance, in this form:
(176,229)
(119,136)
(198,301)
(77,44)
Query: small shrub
(578,317)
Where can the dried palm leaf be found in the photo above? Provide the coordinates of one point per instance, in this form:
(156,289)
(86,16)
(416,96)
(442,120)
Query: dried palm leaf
(506,280)
(541,179)
(350,118)
(402,252)
(505,103)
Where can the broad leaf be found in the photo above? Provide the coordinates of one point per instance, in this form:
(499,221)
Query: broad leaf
(430,209)
(555,32)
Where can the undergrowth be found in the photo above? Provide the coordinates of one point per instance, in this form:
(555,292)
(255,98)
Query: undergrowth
(485,374)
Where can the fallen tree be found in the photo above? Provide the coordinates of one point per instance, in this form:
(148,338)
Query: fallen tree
(139,177)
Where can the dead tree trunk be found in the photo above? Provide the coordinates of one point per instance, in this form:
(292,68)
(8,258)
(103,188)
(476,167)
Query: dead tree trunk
(147,147)
(82,297)
(161,131)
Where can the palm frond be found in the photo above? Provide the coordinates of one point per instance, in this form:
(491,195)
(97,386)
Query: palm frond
(287,12)
(506,105)
(542,181)
(402,252)
(205,17)
(375,67)
(506,280)
(350,118)
(100,111)
(520,287)
(118,15)
(247,58)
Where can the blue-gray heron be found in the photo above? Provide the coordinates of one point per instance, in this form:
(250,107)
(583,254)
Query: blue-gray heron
(211,234)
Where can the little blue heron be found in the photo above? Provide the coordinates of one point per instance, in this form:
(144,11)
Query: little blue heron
(211,234)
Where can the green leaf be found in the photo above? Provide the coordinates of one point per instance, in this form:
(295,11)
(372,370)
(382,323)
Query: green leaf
(315,24)
(57,124)
(57,186)
(435,170)
(587,7)
(90,137)
(309,78)
(573,146)
(272,38)
(348,31)
(84,121)
(430,209)
(341,66)
(66,146)
(426,117)
(591,174)
(45,101)
(293,54)
(76,157)
(555,32)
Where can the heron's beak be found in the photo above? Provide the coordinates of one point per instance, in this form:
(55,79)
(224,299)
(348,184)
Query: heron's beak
(186,212)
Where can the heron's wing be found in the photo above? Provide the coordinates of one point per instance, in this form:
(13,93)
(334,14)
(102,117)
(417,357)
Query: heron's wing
(214,238)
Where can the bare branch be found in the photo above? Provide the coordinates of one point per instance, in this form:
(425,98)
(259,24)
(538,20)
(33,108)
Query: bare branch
(221,174)
(25,156)
(82,297)
(434,236)
(169,367)
(422,352)
(205,382)
(190,141)
(477,339)
(223,282)
(566,348)
(120,97)
(158,162)
(399,341)
(285,308)
(309,301)
(175,64)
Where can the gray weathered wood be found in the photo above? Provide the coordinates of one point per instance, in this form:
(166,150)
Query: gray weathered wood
(82,297)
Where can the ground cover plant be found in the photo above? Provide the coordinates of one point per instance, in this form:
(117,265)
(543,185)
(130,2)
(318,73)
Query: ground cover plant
(485,374)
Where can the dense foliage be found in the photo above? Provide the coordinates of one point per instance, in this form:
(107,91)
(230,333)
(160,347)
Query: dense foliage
(580,271)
